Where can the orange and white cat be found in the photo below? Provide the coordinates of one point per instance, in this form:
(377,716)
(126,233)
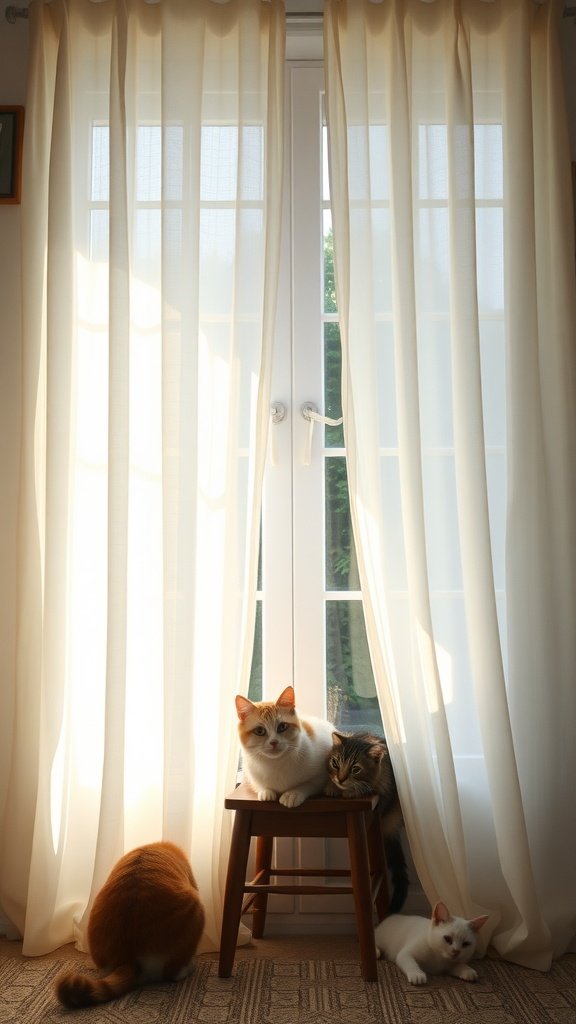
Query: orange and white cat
(144,926)
(284,757)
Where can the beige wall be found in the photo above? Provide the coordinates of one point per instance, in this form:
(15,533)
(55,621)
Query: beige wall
(13,61)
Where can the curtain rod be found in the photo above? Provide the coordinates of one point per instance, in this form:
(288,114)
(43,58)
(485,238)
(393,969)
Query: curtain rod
(12,13)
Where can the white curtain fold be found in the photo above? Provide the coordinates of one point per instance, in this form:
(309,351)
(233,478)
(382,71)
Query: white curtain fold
(151,220)
(450,190)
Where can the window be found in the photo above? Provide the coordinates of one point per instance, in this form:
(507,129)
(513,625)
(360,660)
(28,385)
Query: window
(308,563)
(311,624)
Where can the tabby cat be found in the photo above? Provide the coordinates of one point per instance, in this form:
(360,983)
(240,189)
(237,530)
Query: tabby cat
(284,757)
(360,764)
(144,926)
(442,945)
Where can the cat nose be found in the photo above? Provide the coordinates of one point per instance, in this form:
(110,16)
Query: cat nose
(273,743)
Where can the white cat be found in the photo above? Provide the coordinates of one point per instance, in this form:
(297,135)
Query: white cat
(441,945)
(284,757)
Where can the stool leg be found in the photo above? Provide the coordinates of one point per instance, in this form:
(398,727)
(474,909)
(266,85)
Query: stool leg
(362,890)
(263,863)
(234,893)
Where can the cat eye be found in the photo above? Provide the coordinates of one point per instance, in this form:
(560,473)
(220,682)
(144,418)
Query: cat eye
(356,769)
(333,763)
(259,731)
(282,726)
(448,939)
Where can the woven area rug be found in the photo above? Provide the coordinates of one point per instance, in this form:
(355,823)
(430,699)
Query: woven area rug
(311,991)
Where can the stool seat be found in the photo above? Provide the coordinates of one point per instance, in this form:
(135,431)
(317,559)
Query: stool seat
(358,820)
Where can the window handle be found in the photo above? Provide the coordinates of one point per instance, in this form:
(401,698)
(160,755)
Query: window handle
(310,413)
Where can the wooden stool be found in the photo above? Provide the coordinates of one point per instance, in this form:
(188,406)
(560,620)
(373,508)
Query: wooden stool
(358,820)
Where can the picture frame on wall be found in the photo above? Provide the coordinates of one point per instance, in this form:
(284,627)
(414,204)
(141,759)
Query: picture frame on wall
(11,139)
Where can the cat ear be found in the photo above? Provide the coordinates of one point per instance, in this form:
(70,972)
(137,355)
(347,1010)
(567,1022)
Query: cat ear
(337,739)
(477,922)
(440,914)
(378,751)
(286,699)
(243,707)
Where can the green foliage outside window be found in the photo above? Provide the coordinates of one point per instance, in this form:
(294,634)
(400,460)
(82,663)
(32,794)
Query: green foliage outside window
(352,700)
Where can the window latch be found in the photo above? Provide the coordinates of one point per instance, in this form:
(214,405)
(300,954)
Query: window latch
(310,413)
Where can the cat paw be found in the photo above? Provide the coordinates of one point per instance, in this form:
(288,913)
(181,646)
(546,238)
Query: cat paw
(267,794)
(465,973)
(417,977)
(292,798)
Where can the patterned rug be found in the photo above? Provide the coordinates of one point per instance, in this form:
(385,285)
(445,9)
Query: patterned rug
(265,991)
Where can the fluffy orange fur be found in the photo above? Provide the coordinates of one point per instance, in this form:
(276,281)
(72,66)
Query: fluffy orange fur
(144,926)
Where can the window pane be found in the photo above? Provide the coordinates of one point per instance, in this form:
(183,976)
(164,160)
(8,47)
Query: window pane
(173,162)
(99,240)
(488,161)
(493,353)
(255,687)
(352,703)
(490,259)
(386,384)
(148,240)
(433,161)
(228,170)
(341,565)
(325,167)
(433,260)
(333,436)
(435,382)
(100,180)
(329,280)
(149,163)
(441,515)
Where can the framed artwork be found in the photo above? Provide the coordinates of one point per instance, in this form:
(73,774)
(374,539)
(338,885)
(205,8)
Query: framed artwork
(11,137)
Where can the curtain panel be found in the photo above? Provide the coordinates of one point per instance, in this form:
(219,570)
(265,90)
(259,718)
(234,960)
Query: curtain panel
(454,253)
(151,220)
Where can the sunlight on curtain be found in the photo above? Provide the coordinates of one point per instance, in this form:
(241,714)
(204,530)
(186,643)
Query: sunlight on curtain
(151,216)
(452,221)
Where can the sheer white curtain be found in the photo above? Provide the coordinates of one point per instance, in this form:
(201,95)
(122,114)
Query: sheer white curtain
(456,290)
(151,217)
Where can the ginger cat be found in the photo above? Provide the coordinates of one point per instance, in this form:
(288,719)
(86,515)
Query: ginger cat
(284,757)
(144,926)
